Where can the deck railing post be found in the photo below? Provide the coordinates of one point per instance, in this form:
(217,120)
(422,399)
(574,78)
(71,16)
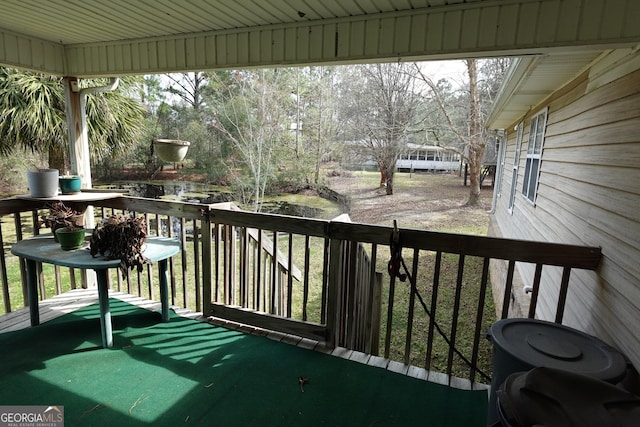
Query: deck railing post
(197,280)
(6,297)
(334,287)
(207,263)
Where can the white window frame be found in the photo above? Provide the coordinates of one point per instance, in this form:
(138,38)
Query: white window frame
(514,170)
(534,156)
(501,141)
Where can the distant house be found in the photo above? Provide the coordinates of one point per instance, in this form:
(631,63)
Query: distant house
(570,172)
(427,158)
(414,157)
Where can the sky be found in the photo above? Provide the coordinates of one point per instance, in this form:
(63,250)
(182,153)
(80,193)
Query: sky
(452,70)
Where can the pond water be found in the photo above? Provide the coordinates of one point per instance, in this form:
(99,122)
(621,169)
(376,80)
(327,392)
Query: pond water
(287,204)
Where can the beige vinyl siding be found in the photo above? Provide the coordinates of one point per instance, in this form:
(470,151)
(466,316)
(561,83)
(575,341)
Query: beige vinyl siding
(589,193)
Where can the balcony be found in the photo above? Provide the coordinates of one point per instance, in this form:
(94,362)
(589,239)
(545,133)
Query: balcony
(321,285)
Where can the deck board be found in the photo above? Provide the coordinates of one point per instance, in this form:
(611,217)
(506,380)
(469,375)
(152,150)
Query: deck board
(68,302)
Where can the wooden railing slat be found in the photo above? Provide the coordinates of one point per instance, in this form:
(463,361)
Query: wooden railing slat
(455,315)
(535,290)
(508,286)
(6,297)
(434,305)
(17,222)
(274,309)
(373,306)
(207,263)
(325,282)
(198,262)
(244,264)
(305,283)
(259,282)
(387,338)
(412,302)
(332,287)
(562,296)
(184,264)
(289,297)
(479,317)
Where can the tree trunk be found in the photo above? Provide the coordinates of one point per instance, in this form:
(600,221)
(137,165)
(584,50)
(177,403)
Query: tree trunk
(476,140)
(474,179)
(389,188)
(57,159)
(383,174)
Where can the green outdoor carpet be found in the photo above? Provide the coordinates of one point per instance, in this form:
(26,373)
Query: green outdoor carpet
(185,373)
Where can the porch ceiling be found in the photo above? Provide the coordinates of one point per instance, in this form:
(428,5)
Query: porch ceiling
(97,38)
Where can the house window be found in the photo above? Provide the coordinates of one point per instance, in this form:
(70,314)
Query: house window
(534,156)
(514,171)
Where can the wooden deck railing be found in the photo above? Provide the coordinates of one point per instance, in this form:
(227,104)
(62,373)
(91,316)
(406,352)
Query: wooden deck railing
(324,280)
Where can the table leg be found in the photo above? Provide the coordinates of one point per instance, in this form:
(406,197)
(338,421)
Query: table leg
(32,292)
(105,312)
(163,272)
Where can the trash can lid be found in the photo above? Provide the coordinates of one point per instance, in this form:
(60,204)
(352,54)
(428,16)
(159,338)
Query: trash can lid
(553,397)
(540,343)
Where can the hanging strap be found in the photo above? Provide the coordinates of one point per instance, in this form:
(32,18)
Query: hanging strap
(395,262)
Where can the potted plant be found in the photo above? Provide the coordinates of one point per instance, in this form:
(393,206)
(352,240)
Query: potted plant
(121,237)
(62,216)
(70,237)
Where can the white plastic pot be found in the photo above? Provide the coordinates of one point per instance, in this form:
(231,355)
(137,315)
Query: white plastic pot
(43,182)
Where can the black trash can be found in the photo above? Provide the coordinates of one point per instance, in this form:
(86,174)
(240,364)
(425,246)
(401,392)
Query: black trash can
(523,344)
(552,397)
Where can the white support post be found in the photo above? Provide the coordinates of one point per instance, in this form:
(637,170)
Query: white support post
(79,151)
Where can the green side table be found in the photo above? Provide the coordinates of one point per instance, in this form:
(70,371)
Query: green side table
(45,249)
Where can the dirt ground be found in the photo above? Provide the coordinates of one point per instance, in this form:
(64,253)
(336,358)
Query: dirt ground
(424,201)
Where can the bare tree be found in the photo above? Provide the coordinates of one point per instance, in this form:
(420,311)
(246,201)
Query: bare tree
(191,88)
(320,126)
(253,118)
(477,142)
(469,139)
(379,104)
